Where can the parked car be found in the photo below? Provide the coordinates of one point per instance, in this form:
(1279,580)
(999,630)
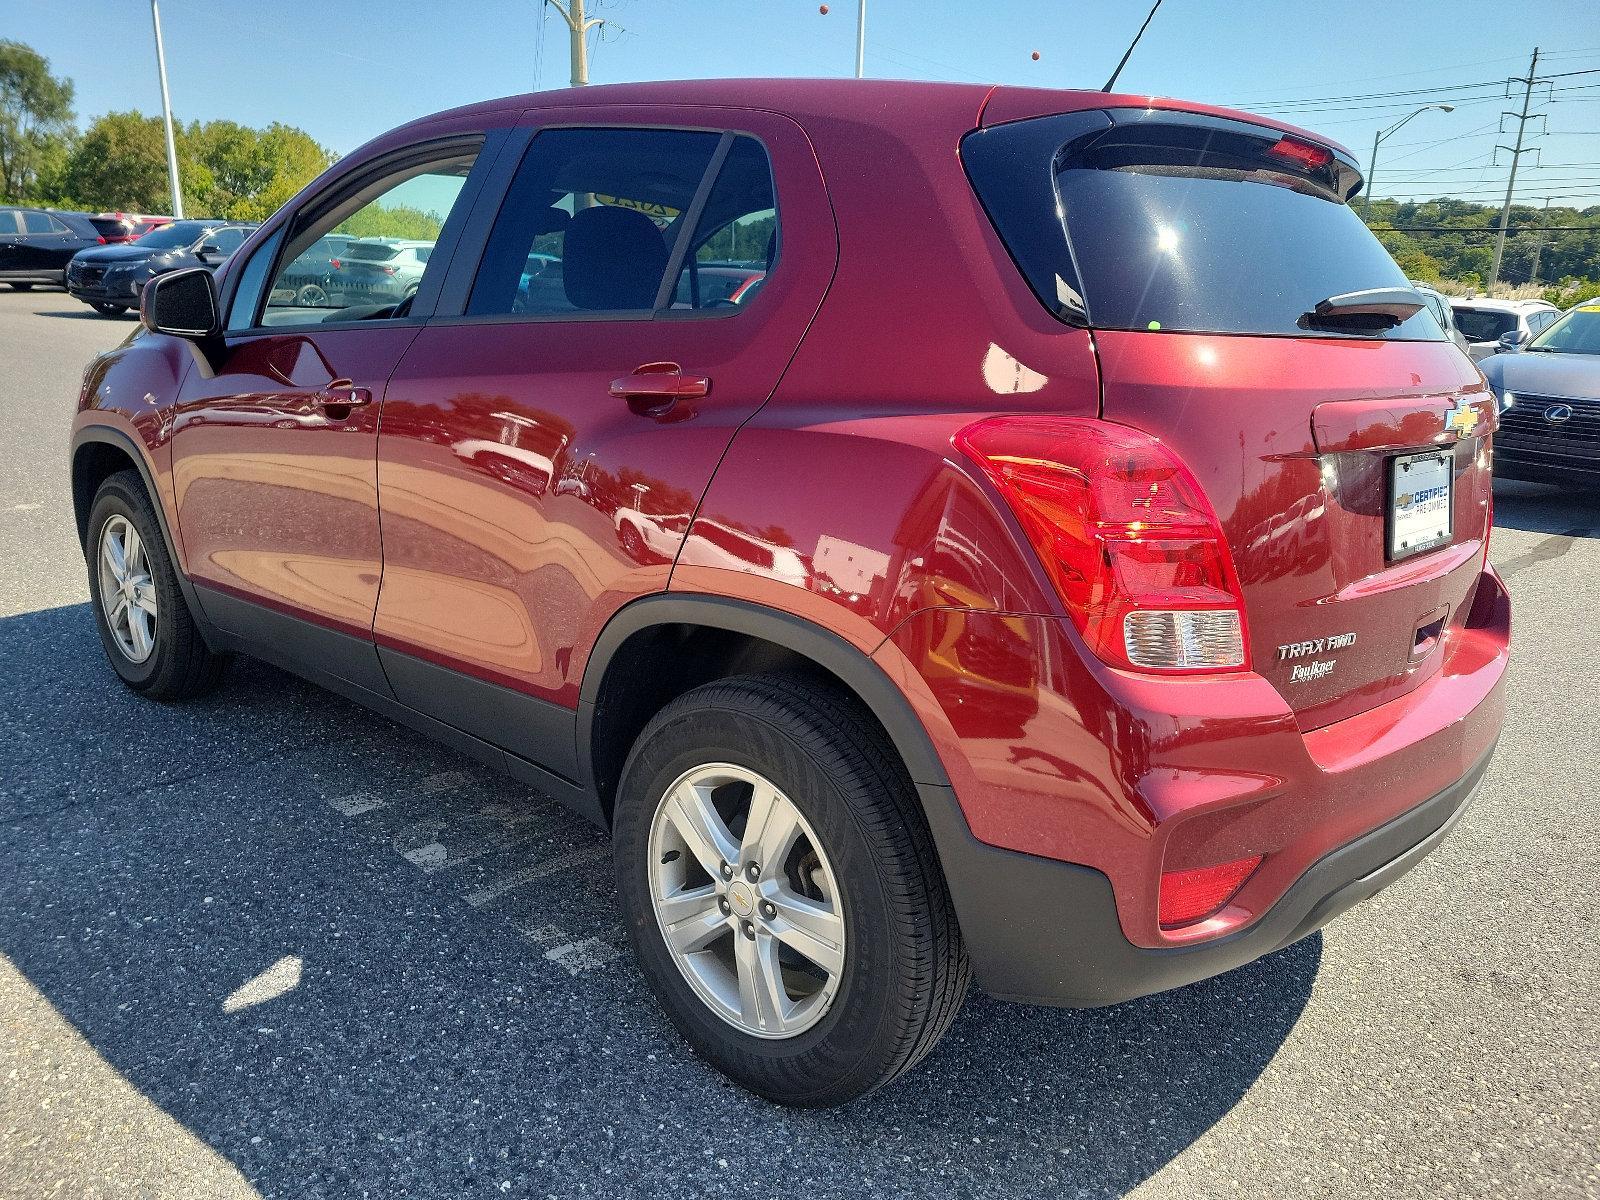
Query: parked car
(110,279)
(306,280)
(130,227)
(718,285)
(1439,305)
(1549,394)
(1086,596)
(1484,322)
(36,244)
(378,271)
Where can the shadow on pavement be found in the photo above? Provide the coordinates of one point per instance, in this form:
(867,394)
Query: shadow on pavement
(1542,508)
(463,1019)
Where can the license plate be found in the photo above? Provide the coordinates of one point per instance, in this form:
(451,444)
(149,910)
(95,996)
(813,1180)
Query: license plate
(1421,502)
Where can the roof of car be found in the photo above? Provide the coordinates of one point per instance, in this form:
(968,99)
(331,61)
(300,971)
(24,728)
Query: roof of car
(886,99)
(1495,305)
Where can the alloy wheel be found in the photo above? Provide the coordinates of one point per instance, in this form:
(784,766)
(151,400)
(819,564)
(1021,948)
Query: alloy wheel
(746,901)
(127,589)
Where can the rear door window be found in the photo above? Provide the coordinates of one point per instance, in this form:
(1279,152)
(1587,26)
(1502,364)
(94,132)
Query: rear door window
(590,222)
(1147,220)
(8,221)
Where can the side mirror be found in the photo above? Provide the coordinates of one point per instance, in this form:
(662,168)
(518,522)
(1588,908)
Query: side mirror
(1512,341)
(181,303)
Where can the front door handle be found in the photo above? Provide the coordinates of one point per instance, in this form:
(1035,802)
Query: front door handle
(655,387)
(341,393)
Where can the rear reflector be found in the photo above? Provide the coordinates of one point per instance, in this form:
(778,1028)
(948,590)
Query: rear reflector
(1126,536)
(1190,896)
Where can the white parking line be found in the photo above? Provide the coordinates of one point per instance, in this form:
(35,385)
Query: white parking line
(553,866)
(355,805)
(591,952)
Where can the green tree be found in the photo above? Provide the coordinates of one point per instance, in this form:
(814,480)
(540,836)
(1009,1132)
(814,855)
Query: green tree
(36,122)
(120,163)
(253,172)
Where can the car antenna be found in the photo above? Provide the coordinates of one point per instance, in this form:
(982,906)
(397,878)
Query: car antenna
(1127,54)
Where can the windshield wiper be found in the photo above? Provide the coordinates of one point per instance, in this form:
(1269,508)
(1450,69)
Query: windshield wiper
(1371,308)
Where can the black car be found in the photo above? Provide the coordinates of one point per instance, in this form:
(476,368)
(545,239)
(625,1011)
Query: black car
(110,278)
(304,282)
(36,244)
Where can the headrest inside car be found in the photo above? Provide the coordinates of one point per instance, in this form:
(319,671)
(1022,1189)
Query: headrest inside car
(613,259)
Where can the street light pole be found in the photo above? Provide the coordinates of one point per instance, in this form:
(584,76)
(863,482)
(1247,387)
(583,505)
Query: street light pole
(1372,163)
(861,38)
(166,115)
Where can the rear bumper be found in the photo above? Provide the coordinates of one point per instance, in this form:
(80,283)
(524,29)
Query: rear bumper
(1046,932)
(1072,794)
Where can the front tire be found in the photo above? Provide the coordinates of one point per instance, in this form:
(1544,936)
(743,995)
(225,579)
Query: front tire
(144,623)
(781,890)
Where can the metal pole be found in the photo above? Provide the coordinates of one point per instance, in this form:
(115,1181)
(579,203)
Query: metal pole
(1544,219)
(166,114)
(1372,170)
(1511,183)
(861,38)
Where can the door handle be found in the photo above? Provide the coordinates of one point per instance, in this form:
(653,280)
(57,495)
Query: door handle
(341,393)
(655,387)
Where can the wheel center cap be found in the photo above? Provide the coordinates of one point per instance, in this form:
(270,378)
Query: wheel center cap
(741,898)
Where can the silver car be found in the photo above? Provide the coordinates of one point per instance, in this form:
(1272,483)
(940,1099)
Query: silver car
(1487,322)
(377,271)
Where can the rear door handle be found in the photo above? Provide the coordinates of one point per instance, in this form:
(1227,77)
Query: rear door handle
(341,393)
(656,386)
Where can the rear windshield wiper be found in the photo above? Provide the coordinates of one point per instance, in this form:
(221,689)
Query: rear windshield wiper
(1371,308)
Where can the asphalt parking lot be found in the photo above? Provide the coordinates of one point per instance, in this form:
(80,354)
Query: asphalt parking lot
(271,944)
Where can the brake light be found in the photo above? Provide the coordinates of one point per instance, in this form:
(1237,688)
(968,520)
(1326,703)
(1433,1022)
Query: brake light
(1193,895)
(334,263)
(1301,153)
(388,270)
(1125,534)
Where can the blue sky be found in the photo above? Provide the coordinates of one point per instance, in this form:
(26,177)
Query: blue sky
(345,70)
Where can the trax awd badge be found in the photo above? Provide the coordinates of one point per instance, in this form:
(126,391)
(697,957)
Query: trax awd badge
(1306,672)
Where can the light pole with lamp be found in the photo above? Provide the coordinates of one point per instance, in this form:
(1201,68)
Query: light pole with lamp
(1372,164)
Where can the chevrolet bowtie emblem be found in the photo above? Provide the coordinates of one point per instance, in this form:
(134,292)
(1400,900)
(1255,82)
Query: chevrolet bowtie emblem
(1461,420)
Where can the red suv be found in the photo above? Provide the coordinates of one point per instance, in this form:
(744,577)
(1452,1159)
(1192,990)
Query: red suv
(1069,569)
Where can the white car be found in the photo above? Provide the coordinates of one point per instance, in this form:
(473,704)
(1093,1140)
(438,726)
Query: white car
(1484,322)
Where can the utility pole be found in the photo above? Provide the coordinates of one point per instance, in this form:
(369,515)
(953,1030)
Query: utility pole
(1516,156)
(1544,219)
(166,116)
(578,25)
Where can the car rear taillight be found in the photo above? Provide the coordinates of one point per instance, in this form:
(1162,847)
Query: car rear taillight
(1192,895)
(1126,536)
(334,263)
(387,270)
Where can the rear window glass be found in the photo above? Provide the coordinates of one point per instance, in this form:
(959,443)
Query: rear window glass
(371,253)
(1484,324)
(110,226)
(1177,223)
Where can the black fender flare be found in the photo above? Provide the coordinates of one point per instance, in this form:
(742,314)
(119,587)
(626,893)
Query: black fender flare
(853,667)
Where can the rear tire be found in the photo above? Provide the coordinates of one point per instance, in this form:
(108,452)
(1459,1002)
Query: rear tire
(899,970)
(22,287)
(165,657)
(108,310)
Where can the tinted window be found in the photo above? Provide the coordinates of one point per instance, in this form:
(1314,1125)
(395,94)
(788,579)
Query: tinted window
(358,272)
(229,240)
(605,207)
(8,221)
(38,222)
(1181,223)
(1484,324)
(736,241)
